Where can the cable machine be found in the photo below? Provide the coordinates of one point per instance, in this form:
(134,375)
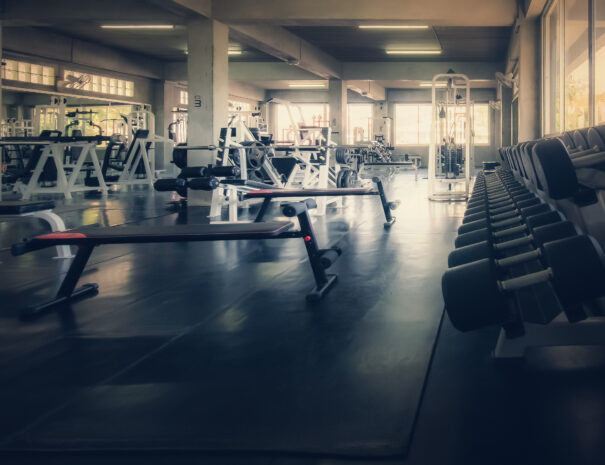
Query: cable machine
(451,145)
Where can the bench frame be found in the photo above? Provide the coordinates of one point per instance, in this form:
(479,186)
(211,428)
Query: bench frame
(269,195)
(68,292)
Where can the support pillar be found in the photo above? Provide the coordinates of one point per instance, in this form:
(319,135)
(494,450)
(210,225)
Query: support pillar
(505,116)
(529,81)
(337,100)
(208,87)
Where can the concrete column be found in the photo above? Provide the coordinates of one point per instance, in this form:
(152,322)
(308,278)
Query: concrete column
(505,116)
(208,86)
(161,124)
(529,81)
(337,100)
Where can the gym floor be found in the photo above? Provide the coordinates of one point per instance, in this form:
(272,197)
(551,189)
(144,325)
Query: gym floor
(208,352)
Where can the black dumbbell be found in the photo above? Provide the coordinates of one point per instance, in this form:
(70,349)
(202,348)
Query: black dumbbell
(476,296)
(494,214)
(488,200)
(506,219)
(502,206)
(492,250)
(487,234)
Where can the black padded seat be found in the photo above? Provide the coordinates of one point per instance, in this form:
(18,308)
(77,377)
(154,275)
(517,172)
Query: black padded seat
(269,193)
(20,207)
(129,234)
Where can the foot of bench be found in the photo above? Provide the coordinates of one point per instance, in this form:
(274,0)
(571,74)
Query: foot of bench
(29,313)
(318,292)
(389,223)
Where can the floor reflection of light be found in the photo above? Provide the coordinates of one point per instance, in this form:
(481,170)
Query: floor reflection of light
(232,320)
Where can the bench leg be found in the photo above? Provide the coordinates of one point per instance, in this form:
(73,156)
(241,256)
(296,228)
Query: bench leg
(323,281)
(386,206)
(56,224)
(263,209)
(67,291)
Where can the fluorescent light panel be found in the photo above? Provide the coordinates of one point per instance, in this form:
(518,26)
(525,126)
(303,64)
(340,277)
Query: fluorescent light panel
(413,52)
(392,26)
(234,52)
(306,85)
(137,26)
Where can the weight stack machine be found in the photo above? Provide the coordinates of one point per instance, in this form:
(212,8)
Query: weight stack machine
(451,138)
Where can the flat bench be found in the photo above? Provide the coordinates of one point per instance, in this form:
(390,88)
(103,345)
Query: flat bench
(87,238)
(40,209)
(269,194)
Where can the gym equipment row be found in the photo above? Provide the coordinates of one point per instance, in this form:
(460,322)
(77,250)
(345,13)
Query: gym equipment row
(323,168)
(87,238)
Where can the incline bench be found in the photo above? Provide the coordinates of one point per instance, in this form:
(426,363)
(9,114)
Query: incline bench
(42,210)
(87,238)
(269,194)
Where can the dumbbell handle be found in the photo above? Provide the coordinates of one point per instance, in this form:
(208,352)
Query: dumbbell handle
(514,243)
(507,222)
(507,232)
(519,258)
(527,280)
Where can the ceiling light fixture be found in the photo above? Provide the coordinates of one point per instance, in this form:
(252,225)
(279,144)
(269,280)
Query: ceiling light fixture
(413,52)
(430,84)
(307,85)
(234,52)
(137,26)
(392,26)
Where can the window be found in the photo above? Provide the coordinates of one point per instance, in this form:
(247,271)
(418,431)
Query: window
(600,62)
(577,111)
(99,84)
(28,72)
(183,97)
(304,114)
(359,122)
(569,77)
(552,70)
(481,123)
(413,124)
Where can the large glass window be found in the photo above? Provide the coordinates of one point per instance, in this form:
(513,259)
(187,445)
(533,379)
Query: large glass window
(600,62)
(303,114)
(359,124)
(577,110)
(413,124)
(552,69)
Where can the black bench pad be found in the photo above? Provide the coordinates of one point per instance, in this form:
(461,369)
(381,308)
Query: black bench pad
(19,207)
(271,193)
(143,234)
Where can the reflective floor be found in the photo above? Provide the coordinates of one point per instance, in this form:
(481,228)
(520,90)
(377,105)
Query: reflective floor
(209,353)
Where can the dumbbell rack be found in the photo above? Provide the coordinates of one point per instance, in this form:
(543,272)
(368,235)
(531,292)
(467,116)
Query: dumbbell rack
(558,332)
(536,316)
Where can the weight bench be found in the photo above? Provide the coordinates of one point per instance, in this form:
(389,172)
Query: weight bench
(269,194)
(39,209)
(87,238)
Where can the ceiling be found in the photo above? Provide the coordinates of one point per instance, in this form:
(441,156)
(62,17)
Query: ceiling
(349,43)
(162,44)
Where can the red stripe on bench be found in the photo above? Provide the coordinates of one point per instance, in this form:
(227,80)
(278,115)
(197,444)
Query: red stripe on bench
(62,235)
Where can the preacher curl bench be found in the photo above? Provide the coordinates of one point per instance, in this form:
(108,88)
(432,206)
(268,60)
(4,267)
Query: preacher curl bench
(87,238)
